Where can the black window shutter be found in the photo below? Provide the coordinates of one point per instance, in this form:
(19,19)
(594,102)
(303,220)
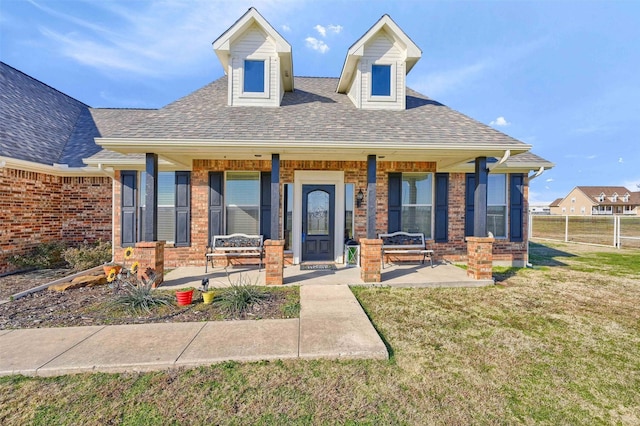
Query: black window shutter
(216,202)
(468,202)
(183,209)
(394,213)
(516,208)
(128,207)
(442,207)
(265,204)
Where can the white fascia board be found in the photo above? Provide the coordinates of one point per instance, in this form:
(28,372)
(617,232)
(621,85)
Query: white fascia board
(55,170)
(129,146)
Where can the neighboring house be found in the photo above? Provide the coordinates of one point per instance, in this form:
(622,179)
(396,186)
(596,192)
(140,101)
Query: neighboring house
(313,161)
(598,200)
(46,192)
(540,209)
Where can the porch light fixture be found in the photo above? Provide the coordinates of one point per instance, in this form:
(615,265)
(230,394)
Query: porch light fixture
(359,198)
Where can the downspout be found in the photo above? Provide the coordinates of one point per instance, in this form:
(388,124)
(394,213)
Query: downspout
(504,158)
(111,174)
(529,179)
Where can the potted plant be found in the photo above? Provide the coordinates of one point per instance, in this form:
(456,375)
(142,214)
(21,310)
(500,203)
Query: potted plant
(207,295)
(111,268)
(184,296)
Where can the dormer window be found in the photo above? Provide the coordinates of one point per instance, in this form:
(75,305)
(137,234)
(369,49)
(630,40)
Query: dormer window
(253,76)
(381,80)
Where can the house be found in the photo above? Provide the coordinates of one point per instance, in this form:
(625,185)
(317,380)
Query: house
(598,200)
(540,209)
(47,193)
(260,151)
(309,162)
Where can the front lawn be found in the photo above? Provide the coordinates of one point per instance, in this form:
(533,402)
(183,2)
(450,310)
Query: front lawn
(556,344)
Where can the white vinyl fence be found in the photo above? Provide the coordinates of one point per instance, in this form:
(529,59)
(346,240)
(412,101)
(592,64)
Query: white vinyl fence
(613,231)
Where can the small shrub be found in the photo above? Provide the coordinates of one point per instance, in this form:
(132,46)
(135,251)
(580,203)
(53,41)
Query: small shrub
(237,298)
(43,256)
(87,256)
(139,296)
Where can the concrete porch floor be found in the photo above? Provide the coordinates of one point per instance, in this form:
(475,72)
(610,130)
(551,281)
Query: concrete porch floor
(400,275)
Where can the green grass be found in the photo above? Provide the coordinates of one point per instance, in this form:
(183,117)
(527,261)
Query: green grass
(554,345)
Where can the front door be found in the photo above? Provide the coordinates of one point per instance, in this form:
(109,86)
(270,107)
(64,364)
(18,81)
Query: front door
(318,220)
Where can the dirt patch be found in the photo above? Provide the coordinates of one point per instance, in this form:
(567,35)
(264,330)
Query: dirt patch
(94,306)
(12,284)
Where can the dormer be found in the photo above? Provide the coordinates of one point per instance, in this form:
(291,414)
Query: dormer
(375,70)
(625,198)
(257,61)
(614,197)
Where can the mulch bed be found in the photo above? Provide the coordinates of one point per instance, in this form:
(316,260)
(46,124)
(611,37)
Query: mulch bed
(93,306)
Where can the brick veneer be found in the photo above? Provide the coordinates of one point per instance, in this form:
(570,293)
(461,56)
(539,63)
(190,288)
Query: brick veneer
(480,257)
(355,172)
(150,255)
(274,262)
(38,207)
(370,260)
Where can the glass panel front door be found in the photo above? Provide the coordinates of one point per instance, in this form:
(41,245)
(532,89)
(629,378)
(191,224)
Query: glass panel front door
(318,222)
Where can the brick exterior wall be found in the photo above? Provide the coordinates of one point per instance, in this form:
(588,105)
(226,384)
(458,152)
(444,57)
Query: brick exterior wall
(274,262)
(37,208)
(355,172)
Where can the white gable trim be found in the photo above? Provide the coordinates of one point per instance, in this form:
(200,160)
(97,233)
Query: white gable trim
(356,51)
(222,45)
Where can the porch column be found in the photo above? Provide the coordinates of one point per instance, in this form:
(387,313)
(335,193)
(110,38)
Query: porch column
(150,255)
(480,258)
(480,198)
(370,260)
(150,230)
(274,262)
(371,197)
(275,196)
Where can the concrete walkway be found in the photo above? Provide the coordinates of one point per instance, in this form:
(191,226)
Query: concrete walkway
(332,325)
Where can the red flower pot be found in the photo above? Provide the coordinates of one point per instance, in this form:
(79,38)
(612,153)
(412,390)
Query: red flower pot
(184,297)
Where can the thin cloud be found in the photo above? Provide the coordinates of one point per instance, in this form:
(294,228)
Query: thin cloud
(286,28)
(321,30)
(549,180)
(620,160)
(317,45)
(437,83)
(500,122)
(336,29)
(156,39)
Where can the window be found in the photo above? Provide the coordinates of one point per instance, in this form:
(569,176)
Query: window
(253,76)
(287,198)
(381,80)
(564,210)
(349,196)
(573,209)
(583,210)
(417,202)
(166,204)
(497,205)
(573,200)
(242,202)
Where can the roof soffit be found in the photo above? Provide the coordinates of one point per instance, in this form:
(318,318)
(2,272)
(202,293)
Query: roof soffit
(222,45)
(412,52)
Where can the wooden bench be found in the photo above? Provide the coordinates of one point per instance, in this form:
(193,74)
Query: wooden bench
(405,243)
(234,245)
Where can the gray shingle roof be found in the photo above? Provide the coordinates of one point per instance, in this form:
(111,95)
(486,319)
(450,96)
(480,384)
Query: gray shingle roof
(41,124)
(313,112)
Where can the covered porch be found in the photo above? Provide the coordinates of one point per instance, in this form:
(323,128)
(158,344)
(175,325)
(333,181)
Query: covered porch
(394,275)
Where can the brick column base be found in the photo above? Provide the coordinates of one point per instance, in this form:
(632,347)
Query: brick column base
(150,255)
(274,262)
(370,260)
(480,258)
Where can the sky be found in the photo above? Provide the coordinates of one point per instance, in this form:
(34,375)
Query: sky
(562,76)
